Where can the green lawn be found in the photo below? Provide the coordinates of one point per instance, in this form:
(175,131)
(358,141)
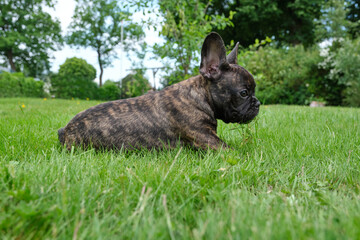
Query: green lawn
(294,173)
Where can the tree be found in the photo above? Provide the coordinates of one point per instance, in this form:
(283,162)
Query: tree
(185,26)
(26,35)
(353,15)
(288,21)
(97,24)
(333,23)
(75,79)
(347,62)
(334,27)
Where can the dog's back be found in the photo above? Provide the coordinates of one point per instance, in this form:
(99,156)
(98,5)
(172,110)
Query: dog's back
(154,120)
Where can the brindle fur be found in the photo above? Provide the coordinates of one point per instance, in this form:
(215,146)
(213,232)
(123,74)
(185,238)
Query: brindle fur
(184,113)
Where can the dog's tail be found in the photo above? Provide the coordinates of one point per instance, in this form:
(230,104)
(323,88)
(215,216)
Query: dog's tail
(61,134)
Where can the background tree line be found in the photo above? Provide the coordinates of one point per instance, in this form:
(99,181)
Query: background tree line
(280,44)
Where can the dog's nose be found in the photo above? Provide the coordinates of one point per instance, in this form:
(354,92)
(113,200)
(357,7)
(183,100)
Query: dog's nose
(257,102)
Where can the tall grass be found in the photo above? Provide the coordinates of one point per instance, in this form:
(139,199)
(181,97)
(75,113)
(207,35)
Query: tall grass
(293,173)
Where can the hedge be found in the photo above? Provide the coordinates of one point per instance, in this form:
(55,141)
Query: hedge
(17,85)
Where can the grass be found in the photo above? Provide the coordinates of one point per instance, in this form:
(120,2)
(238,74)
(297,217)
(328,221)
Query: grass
(294,173)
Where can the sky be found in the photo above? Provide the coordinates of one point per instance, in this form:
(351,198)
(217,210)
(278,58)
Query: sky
(64,10)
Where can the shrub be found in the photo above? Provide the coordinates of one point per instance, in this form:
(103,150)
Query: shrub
(109,91)
(134,85)
(283,75)
(75,79)
(17,85)
(176,76)
(328,85)
(9,85)
(347,63)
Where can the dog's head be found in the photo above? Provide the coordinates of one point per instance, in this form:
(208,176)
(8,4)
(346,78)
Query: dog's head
(231,86)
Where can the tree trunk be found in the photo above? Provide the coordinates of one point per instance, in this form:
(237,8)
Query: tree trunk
(101,67)
(9,56)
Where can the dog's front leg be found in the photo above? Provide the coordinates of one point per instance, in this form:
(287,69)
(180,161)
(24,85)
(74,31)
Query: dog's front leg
(205,140)
(211,145)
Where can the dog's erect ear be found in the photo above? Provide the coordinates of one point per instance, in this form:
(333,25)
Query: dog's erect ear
(213,57)
(232,57)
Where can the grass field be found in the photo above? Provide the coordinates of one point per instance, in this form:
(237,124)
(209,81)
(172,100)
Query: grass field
(294,173)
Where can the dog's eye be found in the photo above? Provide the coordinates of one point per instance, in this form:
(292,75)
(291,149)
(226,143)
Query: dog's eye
(244,93)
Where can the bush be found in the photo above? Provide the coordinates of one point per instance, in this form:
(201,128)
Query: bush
(134,85)
(109,91)
(347,63)
(176,76)
(17,85)
(328,85)
(283,75)
(75,80)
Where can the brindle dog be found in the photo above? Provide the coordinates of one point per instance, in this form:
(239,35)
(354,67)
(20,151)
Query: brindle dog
(184,113)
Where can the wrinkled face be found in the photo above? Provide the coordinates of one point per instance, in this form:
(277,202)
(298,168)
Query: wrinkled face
(231,86)
(233,95)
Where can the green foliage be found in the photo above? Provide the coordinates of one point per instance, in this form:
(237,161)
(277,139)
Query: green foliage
(97,24)
(333,23)
(16,85)
(134,85)
(289,22)
(291,174)
(282,75)
(347,63)
(185,26)
(75,80)
(9,85)
(353,15)
(27,33)
(109,91)
(295,75)
(328,85)
(177,75)
(334,26)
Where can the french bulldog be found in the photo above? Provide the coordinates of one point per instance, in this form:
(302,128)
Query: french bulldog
(185,113)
